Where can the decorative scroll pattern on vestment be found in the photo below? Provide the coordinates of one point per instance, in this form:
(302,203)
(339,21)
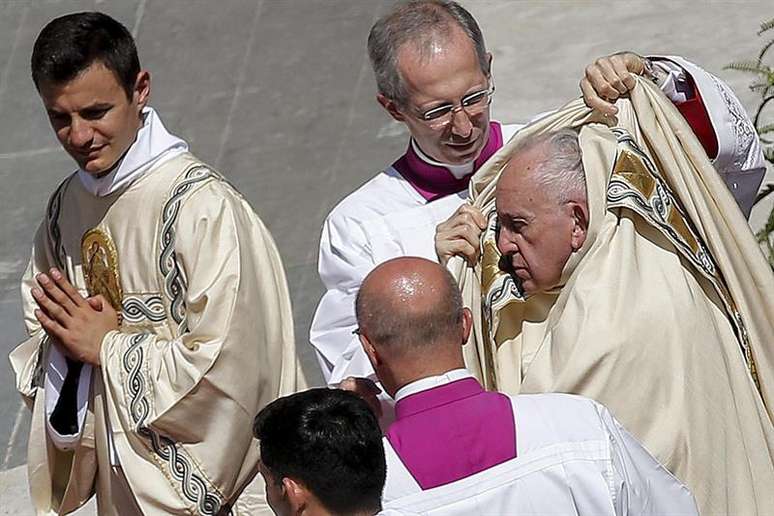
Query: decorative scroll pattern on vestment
(53,212)
(171,456)
(636,184)
(136,309)
(499,289)
(174,280)
(52,224)
(39,376)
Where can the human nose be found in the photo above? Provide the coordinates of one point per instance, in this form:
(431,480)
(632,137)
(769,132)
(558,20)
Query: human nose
(505,243)
(81,132)
(460,123)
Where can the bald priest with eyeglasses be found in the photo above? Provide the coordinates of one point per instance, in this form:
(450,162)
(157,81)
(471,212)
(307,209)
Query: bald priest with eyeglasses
(433,75)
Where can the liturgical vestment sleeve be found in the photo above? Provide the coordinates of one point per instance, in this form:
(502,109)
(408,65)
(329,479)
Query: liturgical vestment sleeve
(206,340)
(210,380)
(24,359)
(641,485)
(345,259)
(29,361)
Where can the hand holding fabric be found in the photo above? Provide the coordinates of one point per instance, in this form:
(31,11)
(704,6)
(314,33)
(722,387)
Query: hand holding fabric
(608,78)
(460,234)
(79,324)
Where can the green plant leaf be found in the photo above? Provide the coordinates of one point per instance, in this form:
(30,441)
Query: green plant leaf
(767,25)
(747,66)
(764,85)
(765,49)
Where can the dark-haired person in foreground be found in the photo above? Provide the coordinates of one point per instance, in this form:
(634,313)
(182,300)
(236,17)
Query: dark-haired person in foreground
(456,449)
(155,300)
(321,454)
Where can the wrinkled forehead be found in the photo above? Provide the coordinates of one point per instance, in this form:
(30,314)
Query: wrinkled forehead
(520,172)
(518,189)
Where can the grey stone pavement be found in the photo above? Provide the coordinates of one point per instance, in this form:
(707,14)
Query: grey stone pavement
(278,94)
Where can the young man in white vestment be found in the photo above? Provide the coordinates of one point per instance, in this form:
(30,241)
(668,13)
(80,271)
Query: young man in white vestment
(456,449)
(155,300)
(434,75)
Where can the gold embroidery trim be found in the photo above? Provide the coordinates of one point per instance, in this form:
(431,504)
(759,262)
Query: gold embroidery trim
(99,260)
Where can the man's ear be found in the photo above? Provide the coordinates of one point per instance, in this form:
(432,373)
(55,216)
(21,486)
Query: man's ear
(467,324)
(390,106)
(296,494)
(141,93)
(580,224)
(370,351)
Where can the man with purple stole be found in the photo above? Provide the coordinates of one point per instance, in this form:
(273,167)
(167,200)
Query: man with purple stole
(455,448)
(434,75)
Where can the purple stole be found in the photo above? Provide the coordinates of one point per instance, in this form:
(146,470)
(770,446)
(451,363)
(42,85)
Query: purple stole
(452,431)
(433,182)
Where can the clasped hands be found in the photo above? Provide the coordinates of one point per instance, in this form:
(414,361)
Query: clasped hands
(78,324)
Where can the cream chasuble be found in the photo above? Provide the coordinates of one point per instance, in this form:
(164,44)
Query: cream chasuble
(387,217)
(206,340)
(666,314)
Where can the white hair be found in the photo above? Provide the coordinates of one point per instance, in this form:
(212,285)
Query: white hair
(560,170)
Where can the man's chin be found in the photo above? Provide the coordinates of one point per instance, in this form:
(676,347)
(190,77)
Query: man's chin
(96,167)
(462,155)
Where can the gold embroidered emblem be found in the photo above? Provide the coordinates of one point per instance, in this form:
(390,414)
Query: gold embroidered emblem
(99,260)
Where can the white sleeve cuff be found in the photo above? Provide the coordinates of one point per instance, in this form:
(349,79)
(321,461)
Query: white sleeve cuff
(672,80)
(56,371)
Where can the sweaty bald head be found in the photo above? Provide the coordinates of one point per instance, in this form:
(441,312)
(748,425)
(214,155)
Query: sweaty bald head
(408,303)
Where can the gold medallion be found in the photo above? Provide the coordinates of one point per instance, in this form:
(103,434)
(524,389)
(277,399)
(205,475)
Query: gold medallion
(100,267)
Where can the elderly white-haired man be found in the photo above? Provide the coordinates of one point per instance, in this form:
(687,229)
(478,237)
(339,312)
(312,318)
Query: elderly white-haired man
(542,209)
(434,75)
(600,275)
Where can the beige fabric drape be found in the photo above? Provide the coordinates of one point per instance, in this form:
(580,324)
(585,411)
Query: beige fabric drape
(665,315)
(206,341)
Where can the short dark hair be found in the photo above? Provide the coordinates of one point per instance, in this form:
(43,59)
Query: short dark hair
(418,22)
(330,441)
(71,43)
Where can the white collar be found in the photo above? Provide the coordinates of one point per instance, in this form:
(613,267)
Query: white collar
(458,171)
(153,145)
(424,384)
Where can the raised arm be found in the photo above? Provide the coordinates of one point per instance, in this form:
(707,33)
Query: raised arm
(709,106)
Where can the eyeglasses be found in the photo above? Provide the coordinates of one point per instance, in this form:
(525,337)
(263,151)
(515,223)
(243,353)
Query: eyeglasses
(473,104)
